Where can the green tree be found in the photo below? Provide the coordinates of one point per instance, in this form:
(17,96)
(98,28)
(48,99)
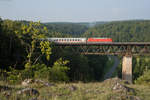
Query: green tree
(12,50)
(58,71)
(30,35)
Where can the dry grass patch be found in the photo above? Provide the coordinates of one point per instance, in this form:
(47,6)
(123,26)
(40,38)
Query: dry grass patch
(111,89)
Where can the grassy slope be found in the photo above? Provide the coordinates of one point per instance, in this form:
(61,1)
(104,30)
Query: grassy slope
(80,91)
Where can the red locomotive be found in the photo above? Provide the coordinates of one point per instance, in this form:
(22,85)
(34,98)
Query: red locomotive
(99,40)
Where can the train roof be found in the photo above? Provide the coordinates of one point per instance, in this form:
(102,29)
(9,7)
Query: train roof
(100,37)
(65,38)
(75,38)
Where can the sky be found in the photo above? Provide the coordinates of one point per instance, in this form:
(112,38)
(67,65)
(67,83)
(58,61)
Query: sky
(75,10)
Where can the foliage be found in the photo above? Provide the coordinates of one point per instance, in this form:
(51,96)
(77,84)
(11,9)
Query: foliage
(58,71)
(21,49)
(140,64)
(97,66)
(11,49)
(34,33)
(41,71)
(79,66)
(13,75)
(73,29)
(144,79)
(45,49)
(122,31)
(29,35)
(28,57)
(126,31)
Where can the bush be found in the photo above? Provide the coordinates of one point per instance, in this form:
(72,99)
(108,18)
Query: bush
(58,71)
(41,71)
(144,79)
(13,76)
(34,71)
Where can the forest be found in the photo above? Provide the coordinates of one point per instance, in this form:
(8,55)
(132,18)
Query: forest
(23,55)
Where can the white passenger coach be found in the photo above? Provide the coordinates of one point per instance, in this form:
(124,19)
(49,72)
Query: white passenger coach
(66,40)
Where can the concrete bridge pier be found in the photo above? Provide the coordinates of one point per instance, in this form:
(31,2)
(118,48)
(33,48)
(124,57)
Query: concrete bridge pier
(127,68)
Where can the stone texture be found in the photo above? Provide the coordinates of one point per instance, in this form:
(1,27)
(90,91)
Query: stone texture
(127,68)
(29,91)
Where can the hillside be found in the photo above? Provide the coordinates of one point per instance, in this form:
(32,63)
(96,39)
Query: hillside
(122,31)
(75,29)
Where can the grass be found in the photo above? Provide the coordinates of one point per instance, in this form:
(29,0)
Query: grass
(143,91)
(75,91)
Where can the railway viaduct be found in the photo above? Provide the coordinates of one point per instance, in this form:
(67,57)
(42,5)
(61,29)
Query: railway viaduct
(125,49)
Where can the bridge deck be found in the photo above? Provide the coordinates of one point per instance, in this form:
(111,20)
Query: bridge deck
(105,44)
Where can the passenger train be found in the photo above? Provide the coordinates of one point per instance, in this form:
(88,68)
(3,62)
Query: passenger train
(79,40)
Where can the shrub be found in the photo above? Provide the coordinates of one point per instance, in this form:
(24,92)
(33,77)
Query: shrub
(58,71)
(41,71)
(144,79)
(34,71)
(13,76)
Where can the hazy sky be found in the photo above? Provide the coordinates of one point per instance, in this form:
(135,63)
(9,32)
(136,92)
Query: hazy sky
(74,10)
